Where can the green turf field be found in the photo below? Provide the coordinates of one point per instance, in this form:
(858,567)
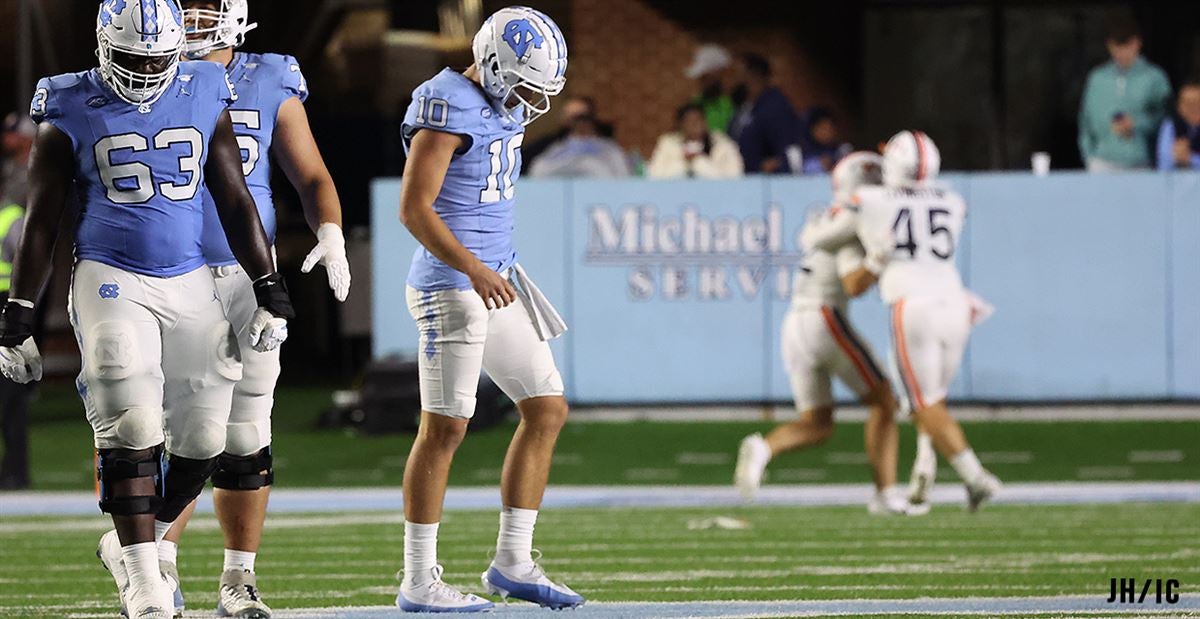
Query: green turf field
(651,555)
(651,453)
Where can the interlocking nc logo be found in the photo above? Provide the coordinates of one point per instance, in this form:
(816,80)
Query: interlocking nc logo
(520,34)
(109,291)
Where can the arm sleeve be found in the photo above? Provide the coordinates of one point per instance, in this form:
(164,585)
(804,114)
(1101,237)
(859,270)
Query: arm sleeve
(1087,143)
(666,161)
(831,230)
(1158,99)
(294,83)
(1166,141)
(723,162)
(44,106)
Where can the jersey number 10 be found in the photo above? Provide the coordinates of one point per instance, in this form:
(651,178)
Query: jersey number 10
(906,240)
(499,179)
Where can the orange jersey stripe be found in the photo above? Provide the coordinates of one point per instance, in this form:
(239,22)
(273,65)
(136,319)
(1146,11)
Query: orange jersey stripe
(840,337)
(910,377)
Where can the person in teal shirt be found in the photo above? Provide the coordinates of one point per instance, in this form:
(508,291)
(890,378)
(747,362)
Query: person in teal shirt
(1124,103)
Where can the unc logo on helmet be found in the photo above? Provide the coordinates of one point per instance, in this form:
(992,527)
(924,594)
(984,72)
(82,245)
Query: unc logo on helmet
(109,10)
(109,291)
(520,35)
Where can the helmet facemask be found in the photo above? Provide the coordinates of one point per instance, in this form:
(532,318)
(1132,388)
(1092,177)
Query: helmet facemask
(209,29)
(141,89)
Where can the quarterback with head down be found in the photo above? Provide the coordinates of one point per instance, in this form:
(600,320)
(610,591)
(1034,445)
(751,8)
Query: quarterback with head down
(474,305)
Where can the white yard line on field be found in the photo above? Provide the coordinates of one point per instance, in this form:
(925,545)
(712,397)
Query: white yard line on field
(284,500)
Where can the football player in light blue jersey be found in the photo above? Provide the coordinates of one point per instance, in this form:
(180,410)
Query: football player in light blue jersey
(474,305)
(139,137)
(271,125)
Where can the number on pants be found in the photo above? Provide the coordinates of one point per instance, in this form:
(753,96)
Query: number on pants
(249,119)
(139,174)
(499,180)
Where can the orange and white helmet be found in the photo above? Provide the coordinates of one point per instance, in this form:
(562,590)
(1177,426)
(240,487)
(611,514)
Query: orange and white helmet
(855,170)
(910,157)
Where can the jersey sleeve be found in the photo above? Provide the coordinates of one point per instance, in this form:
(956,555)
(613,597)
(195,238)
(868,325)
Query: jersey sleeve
(442,109)
(294,84)
(45,105)
(831,229)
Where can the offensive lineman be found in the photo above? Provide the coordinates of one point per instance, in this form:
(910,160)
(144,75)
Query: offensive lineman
(271,123)
(818,343)
(138,137)
(474,305)
(912,227)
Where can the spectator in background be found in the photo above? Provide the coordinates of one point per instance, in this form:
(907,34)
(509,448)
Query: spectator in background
(822,145)
(1179,137)
(708,67)
(572,108)
(1123,104)
(16,142)
(582,152)
(694,150)
(766,128)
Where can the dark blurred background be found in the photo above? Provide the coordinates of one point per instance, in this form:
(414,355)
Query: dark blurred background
(992,81)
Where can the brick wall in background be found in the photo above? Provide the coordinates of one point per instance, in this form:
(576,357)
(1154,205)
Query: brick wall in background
(631,58)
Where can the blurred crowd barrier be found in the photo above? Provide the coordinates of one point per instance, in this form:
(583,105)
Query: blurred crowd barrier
(675,290)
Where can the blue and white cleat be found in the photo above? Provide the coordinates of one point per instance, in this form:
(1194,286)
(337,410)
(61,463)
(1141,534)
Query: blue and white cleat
(171,573)
(528,582)
(435,596)
(109,553)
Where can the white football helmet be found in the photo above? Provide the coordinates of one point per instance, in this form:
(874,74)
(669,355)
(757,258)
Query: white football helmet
(144,29)
(910,157)
(856,170)
(522,60)
(210,30)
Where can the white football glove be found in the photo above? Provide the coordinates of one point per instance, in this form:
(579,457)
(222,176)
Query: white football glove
(21,364)
(330,252)
(267,331)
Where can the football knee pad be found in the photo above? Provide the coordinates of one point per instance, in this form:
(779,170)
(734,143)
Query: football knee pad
(116,469)
(185,479)
(245,472)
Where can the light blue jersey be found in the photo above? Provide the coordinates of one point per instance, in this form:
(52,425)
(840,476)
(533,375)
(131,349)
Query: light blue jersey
(263,83)
(139,176)
(476,200)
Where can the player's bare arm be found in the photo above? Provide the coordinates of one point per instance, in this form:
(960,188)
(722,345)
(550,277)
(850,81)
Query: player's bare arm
(295,149)
(235,205)
(51,166)
(428,160)
(858,282)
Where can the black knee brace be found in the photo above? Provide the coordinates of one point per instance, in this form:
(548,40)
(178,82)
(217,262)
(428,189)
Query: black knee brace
(184,481)
(116,465)
(245,472)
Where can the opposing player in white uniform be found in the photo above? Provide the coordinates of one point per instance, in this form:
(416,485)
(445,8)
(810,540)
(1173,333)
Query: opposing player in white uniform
(475,307)
(819,343)
(910,228)
(140,138)
(271,126)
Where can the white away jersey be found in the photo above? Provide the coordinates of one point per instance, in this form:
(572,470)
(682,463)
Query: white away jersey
(923,224)
(831,251)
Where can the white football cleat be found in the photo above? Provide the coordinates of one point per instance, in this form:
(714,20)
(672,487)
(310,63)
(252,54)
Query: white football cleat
(171,573)
(981,489)
(238,596)
(435,596)
(150,601)
(528,582)
(920,485)
(109,553)
(753,456)
(888,502)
